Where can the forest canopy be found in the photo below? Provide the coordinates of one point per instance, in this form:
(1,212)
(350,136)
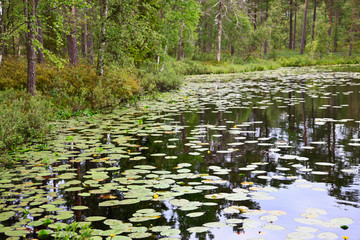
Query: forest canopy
(143,34)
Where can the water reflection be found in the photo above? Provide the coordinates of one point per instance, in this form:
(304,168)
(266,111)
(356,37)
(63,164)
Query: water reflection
(281,138)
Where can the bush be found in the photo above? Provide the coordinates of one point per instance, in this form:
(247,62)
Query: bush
(75,87)
(162,81)
(23,118)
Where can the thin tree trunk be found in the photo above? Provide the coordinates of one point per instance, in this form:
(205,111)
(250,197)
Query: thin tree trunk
(90,44)
(261,12)
(40,54)
(71,39)
(266,41)
(209,42)
(204,40)
(218,56)
(30,37)
(255,20)
(101,57)
(163,66)
(330,21)
(179,52)
(302,43)
(313,24)
(336,28)
(14,46)
(2,30)
(352,29)
(291,25)
(294,37)
(84,38)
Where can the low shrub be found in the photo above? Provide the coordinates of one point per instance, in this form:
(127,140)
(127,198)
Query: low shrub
(75,87)
(23,117)
(161,81)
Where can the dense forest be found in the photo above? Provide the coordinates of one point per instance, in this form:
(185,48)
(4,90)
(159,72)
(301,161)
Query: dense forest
(81,55)
(137,33)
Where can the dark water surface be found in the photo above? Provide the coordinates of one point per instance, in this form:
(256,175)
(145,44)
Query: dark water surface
(269,155)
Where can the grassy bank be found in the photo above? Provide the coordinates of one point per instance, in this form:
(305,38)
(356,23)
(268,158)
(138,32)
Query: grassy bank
(203,65)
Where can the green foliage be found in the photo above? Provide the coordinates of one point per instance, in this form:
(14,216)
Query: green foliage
(23,118)
(161,81)
(74,231)
(78,88)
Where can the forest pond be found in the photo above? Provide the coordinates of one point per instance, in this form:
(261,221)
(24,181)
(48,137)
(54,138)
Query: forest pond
(264,155)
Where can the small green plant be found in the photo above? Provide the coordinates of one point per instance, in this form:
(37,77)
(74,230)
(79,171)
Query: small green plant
(69,138)
(74,231)
(47,222)
(26,213)
(43,234)
(42,147)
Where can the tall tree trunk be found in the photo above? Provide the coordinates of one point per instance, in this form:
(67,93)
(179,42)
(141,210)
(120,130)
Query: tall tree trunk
(179,52)
(330,20)
(209,42)
(255,16)
(336,28)
(90,43)
(204,39)
(2,30)
(352,29)
(30,38)
(291,25)
(84,38)
(39,37)
(218,55)
(302,44)
(266,41)
(101,57)
(261,12)
(72,40)
(294,37)
(313,23)
(14,45)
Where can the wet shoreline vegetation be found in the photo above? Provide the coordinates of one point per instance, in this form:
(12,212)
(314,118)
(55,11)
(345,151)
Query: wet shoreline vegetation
(72,91)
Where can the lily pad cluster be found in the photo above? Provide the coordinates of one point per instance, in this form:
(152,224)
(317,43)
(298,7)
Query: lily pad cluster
(201,158)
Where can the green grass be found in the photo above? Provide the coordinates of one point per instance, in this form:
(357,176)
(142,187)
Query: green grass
(274,60)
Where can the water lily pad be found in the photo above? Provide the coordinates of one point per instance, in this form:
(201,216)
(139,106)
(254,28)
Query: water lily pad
(170,232)
(118,238)
(274,227)
(328,235)
(269,218)
(159,228)
(234,221)
(138,235)
(17,233)
(316,211)
(80,208)
(307,229)
(342,221)
(215,224)
(95,218)
(6,215)
(300,236)
(198,229)
(195,214)
(309,221)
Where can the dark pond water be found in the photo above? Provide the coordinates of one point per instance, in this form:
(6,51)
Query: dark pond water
(270,155)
